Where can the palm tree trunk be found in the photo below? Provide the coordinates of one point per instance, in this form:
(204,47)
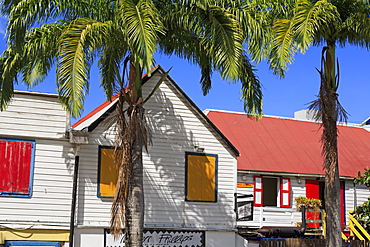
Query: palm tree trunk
(135,199)
(332,188)
(329,101)
(132,136)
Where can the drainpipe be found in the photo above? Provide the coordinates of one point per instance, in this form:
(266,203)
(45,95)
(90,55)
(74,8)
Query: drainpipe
(74,196)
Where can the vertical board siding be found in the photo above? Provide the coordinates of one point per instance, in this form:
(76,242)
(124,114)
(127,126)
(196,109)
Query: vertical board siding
(176,129)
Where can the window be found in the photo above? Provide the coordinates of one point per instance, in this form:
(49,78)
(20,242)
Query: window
(16,169)
(271,191)
(201,177)
(107,172)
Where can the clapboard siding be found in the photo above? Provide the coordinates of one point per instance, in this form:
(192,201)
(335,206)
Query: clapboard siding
(40,117)
(176,128)
(269,216)
(52,186)
(34,115)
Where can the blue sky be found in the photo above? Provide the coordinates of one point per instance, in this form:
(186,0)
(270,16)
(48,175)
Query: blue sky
(282,97)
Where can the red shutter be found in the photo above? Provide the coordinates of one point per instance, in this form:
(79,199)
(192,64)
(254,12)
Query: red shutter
(23,168)
(285,192)
(15,157)
(312,189)
(4,168)
(312,192)
(258,191)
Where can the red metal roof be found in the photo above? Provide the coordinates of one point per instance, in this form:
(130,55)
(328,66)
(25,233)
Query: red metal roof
(287,145)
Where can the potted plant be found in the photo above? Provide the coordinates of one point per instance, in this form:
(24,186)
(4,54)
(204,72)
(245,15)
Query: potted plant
(308,203)
(312,213)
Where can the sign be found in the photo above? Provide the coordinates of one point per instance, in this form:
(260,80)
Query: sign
(160,238)
(244,185)
(244,207)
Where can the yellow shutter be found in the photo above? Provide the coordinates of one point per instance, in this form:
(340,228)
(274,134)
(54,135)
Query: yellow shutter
(201,177)
(108,173)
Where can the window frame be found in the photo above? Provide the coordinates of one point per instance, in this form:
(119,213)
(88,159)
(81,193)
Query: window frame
(186,176)
(99,169)
(280,191)
(32,166)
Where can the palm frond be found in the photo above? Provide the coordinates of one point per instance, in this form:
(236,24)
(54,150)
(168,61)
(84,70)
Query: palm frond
(222,38)
(312,19)
(356,29)
(77,44)
(39,52)
(283,49)
(111,56)
(10,65)
(251,91)
(141,24)
(24,14)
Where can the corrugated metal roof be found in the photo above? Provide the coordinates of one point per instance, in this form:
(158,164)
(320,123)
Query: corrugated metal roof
(286,145)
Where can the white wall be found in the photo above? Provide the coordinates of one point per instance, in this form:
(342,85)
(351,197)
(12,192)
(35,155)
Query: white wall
(222,239)
(35,115)
(40,117)
(272,216)
(176,129)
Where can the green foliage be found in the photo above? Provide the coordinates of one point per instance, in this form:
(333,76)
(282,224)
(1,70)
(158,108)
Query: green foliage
(71,34)
(363,178)
(362,212)
(309,203)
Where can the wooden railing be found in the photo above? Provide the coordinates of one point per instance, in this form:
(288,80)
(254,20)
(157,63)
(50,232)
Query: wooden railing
(356,229)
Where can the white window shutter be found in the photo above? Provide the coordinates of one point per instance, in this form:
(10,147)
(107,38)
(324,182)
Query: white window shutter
(258,191)
(285,192)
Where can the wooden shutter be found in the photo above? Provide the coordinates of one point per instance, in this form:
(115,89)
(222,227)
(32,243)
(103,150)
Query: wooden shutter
(312,189)
(108,172)
(15,169)
(312,192)
(285,192)
(201,177)
(258,191)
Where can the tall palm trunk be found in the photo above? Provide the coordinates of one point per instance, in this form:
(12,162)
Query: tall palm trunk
(328,110)
(132,136)
(329,139)
(134,217)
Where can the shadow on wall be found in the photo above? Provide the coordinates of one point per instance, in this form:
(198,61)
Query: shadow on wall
(164,173)
(164,178)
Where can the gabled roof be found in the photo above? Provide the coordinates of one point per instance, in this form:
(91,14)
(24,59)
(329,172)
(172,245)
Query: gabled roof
(94,118)
(286,145)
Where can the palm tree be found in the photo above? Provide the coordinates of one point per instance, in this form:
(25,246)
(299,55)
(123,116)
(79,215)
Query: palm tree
(124,35)
(327,23)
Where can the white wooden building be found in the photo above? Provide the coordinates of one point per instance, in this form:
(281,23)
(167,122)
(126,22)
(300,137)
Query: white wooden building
(176,204)
(280,159)
(36,171)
